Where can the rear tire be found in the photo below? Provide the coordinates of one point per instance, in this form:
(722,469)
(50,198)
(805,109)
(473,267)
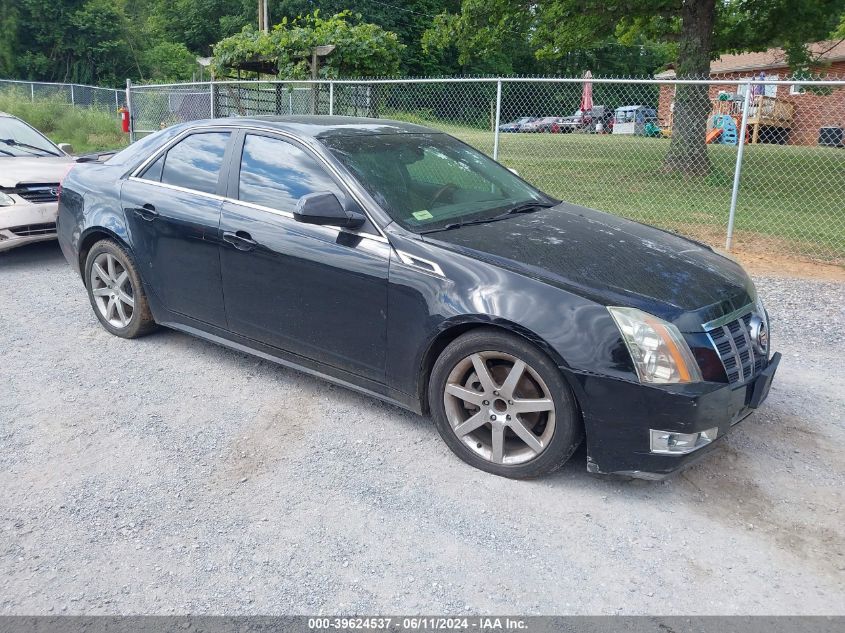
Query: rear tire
(116,291)
(503,406)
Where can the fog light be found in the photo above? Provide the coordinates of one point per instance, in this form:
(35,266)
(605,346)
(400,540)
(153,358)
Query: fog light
(670,442)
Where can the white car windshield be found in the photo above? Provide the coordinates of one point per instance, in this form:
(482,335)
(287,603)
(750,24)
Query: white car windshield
(19,139)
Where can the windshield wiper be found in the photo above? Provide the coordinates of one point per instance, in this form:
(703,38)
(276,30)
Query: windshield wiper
(13,143)
(526,207)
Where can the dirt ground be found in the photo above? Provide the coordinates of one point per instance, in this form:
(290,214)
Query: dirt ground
(169,475)
(779,265)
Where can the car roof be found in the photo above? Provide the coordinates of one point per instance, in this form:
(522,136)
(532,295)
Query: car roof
(321,126)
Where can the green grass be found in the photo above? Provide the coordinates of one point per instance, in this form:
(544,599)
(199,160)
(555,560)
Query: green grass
(88,130)
(791,199)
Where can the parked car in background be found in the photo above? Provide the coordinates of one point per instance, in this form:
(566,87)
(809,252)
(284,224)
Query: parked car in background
(539,125)
(584,121)
(31,167)
(514,126)
(396,260)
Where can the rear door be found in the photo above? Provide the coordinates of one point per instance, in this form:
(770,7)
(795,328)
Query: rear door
(173,212)
(317,291)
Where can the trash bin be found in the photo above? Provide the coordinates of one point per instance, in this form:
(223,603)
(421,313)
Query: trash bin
(831,136)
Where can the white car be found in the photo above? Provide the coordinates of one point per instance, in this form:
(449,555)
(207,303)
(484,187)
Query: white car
(31,167)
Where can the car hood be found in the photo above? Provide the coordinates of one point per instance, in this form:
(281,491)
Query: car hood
(611,260)
(46,169)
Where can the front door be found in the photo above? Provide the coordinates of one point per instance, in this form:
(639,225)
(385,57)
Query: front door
(173,213)
(316,291)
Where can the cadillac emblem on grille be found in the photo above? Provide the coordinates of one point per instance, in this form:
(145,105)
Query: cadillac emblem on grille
(759,334)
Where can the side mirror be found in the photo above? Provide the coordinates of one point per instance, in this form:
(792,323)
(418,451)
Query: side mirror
(67,148)
(324,208)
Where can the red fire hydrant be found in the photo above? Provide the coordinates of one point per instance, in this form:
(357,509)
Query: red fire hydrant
(124,118)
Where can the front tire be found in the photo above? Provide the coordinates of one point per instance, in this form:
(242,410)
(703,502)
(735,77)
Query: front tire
(116,292)
(503,406)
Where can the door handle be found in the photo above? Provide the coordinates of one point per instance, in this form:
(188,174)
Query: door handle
(240,239)
(147,212)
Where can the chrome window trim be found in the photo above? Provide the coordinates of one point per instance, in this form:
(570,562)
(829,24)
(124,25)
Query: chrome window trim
(228,127)
(252,205)
(336,230)
(724,320)
(195,192)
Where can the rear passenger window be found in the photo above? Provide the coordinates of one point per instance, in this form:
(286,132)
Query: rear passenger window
(276,174)
(194,163)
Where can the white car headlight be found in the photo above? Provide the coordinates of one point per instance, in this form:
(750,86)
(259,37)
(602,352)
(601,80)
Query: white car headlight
(660,353)
(6,200)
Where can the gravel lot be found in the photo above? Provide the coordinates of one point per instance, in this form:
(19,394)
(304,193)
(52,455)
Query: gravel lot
(169,475)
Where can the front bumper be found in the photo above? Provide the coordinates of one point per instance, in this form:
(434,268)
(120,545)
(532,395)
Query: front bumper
(24,223)
(619,417)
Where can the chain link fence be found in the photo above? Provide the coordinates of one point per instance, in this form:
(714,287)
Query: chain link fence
(734,162)
(78,95)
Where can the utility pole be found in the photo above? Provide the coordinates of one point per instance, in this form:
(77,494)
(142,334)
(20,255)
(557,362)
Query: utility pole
(263,16)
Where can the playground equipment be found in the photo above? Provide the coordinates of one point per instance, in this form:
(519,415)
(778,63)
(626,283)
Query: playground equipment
(724,130)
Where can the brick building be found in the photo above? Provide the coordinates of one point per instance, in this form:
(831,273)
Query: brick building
(808,111)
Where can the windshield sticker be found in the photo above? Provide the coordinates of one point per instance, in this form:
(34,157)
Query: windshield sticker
(422,215)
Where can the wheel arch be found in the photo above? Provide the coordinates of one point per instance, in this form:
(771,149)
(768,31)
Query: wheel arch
(92,236)
(459,327)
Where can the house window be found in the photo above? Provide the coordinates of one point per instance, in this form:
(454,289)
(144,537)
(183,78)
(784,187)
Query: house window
(767,90)
(797,89)
(771,91)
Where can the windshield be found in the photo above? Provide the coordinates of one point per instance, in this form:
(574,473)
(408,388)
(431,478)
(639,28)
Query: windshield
(428,181)
(18,139)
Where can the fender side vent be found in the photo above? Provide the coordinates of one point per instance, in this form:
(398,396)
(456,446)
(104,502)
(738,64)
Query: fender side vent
(418,262)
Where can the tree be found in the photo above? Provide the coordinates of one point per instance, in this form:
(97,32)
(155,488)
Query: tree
(168,61)
(361,49)
(199,24)
(699,29)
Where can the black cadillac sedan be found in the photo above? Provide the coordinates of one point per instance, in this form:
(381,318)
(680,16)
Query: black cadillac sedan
(396,260)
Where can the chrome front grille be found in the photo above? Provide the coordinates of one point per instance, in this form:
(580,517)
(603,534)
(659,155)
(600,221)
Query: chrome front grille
(38,193)
(736,349)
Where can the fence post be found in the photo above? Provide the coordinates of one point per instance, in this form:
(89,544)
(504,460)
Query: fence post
(116,99)
(32,90)
(72,96)
(211,100)
(496,122)
(331,98)
(738,169)
(131,110)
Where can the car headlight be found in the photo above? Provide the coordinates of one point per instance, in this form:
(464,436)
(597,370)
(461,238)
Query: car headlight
(6,200)
(660,353)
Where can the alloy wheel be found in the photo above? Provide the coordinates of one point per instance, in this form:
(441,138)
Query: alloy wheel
(112,290)
(499,407)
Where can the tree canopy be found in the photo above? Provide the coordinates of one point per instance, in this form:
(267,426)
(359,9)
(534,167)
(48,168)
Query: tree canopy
(106,41)
(689,32)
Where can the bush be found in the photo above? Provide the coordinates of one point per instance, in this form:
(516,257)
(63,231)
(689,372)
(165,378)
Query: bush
(87,129)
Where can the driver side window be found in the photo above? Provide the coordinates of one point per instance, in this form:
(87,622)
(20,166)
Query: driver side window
(276,174)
